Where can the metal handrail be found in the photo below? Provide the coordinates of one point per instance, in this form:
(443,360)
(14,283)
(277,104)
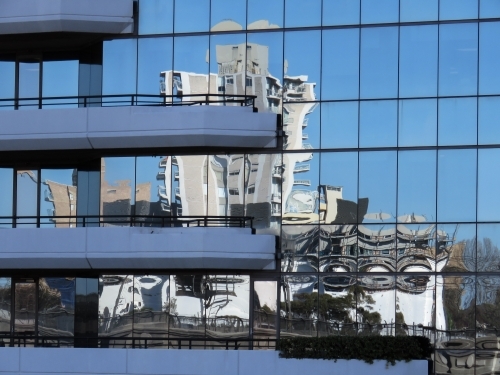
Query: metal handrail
(131,220)
(131,100)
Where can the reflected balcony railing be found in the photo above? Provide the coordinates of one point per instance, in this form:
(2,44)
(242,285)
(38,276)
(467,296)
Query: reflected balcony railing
(126,100)
(162,192)
(176,176)
(125,220)
(48,196)
(302,182)
(302,168)
(305,122)
(177,192)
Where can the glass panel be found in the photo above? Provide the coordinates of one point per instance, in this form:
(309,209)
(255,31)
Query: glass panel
(117,302)
(58,198)
(379,62)
(338,248)
(7,197)
(488,240)
(416,247)
(5,305)
(456,248)
(86,312)
(27,197)
(376,296)
(117,185)
(299,306)
(457,9)
(376,248)
(300,188)
(156,16)
(7,86)
(377,11)
(152,191)
(415,305)
(265,66)
(191,57)
(337,305)
(341,55)
(29,84)
(262,185)
(228,15)
(226,181)
(187,20)
(300,13)
(302,75)
(488,206)
(88,197)
(458,59)
(56,309)
(229,63)
(60,78)
(341,12)
(302,126)
(299,246)
(227,306)
(339,124)
(191,187)
(418,61)
(377,183)
(119,69)
(487,307)
(489,9)
(265,14)
(154,66)
(188,294)
(25,308)
(418,10)
(457,121)
(339,187)
(489,116)
(456,361)
(265,311)
(455,305)
(489,81)
(378,123)
(456,201)
(417,122)
(153,309)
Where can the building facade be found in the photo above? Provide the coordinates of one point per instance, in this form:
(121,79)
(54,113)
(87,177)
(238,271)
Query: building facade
(368,165)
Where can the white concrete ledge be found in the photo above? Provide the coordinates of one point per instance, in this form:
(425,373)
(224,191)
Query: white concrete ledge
(24,361)
(136,127)
(89,16)
(136,248)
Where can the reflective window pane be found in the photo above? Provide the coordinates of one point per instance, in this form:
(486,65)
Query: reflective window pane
(265,14)
(228,15)
(457,121)
(488,252)
(338,248)
(28,84)
(156,16)
(27,197)
(265,310)
(300,13)
(24,307)
(418,10)
(299,305)
(302,76)
(302,126)
(416,250)
(456,248)
(376,248)
(377,183)
(489,116)
(341,12)
(119,67)
(488,206)
(456,201)
(191,56)
(487,305)
(341,55)
(154,66)
(489,48)
(339,124)
(417,186)
(190,184)
(379,62)
(5,304)
(6,199)
(299,246)
(417,122)
(458,59)
(60,78)
(7,86)
(379,11)
(489,9)
(226,185)
(457,9)
(378,123)
(58,198)
(418,61)
(191,15)
(376,296)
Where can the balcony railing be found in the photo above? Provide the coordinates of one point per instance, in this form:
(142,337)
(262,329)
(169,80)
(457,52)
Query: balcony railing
(127,100)
(125,220)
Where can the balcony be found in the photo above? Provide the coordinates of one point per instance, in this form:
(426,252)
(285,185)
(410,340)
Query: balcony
(71,16)
(135,242)
(134,121)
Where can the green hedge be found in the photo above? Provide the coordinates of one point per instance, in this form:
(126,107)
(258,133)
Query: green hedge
(366,348)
